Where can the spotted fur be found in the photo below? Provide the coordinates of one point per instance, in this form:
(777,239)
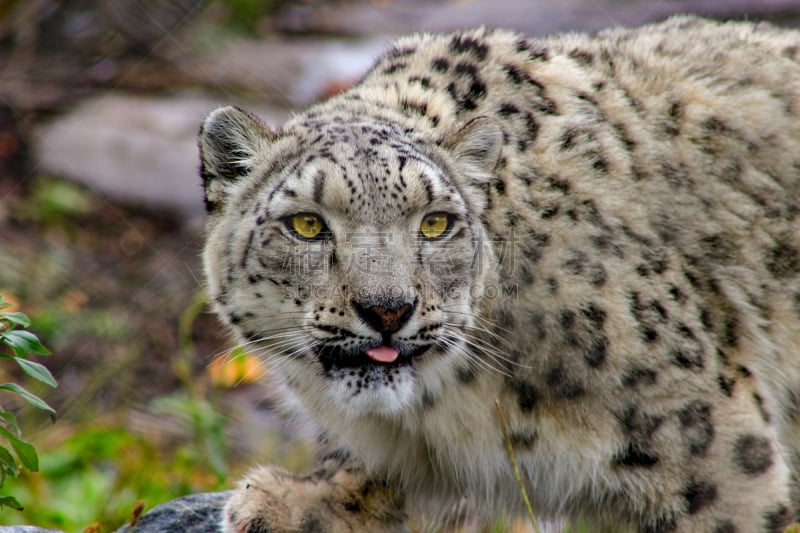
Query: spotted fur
(622,272)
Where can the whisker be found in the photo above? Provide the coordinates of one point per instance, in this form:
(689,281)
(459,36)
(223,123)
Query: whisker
(487,327)
(279,333)
(452,343)
(482,346)
(485,347)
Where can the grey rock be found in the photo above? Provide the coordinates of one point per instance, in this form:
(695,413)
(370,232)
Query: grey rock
(532,18)
(133,149)
(197,513)
(286,73)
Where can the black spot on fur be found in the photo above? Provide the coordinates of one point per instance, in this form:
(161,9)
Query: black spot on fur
(507,109)
(527,395)
(567,319)
(639,376)
(762,410)
(662,524)
(595,314)
(720,247)
(649,334)
(468,88)
(440,64)
(258,525)
(597,275)
(395,67)
(514,74)
(531,127)
(582,56)
(657,259)
(564,385)
(705,319)
(623,135)
(534,51)
(716,125)
(637,425)
(422,80)
(550,211)
(647,314)
(730,333)
(396,53)
(597,352)
(634,456)
(415,108)
(523,439)
(552,285)
(466,375)
(797,303)
(461,44)
(777,518)
(689,359)
(784,260)
(557,184)
(699,494)
(697,427)
(536,322)
(428,400)
(693,279)
(752,454)
(673,126)
(725,526)
(567,139)
(353,506)
(311,523)
(726,384)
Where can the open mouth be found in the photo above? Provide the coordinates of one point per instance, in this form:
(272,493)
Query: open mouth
(333,357)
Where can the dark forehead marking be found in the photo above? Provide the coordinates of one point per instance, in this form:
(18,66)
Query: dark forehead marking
(278,186)
(428,187)
(263,178)
(319,185)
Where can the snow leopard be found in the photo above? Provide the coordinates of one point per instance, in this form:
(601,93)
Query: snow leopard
(578,252)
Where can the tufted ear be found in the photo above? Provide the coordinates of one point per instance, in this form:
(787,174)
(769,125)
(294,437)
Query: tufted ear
(478,142)
(229,141)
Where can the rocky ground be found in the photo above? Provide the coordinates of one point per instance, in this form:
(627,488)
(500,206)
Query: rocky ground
(110,98)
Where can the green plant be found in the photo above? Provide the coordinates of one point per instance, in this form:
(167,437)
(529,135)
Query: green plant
(21,344)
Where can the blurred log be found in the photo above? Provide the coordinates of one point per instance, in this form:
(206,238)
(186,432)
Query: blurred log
(533,18)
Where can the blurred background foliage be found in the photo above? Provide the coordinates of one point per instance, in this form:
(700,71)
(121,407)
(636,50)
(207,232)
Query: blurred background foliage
(153,403)
(113,288)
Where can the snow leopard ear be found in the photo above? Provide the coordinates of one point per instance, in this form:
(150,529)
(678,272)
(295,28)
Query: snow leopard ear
(229,140)
(478,142)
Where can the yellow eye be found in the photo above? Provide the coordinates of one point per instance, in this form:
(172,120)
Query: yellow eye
(307,225)
(435,225)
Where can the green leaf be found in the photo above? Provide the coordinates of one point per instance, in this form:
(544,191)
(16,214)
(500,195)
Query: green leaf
(37,371)
(9,465)
(10,420)
(28,397)
(23,343)
(10,501)
(25,451)
(16,319)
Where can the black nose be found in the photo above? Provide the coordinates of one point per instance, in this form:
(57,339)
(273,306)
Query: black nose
(384,319)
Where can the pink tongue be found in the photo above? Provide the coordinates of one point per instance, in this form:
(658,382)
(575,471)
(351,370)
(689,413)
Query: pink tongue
(382,354)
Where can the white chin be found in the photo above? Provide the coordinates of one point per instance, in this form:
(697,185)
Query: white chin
(376,390)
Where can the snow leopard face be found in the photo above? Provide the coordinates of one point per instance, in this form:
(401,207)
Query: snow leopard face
(346,254)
